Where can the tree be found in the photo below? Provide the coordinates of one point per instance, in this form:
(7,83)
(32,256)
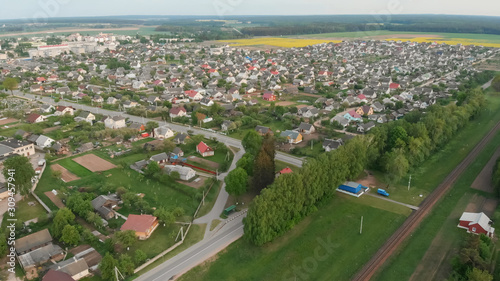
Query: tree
(70,235)
(246,162)
(19,171)
(496,83)
(10,84)
(165,216)
(126,238)
(479,275)
(94,219)
(107,267)
(236,182)
(151,125)
(252,142)
(152,169)
(139,257)
(126,264)
(168,146)
(396,165)
(263,171)
(62,218)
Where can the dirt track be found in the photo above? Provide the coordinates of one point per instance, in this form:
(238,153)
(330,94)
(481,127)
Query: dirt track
(484,179)
(405,230)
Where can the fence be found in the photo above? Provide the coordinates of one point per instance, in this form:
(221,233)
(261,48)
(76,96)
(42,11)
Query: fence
(33,191)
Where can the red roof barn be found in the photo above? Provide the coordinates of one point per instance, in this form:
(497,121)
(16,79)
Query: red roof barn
(204,149)
(477,223)
(143,225)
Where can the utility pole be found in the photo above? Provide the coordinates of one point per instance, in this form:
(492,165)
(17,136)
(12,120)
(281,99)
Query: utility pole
(361,227)
(117,271)
(409,182)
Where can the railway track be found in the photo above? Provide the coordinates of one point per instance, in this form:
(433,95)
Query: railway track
(411,223)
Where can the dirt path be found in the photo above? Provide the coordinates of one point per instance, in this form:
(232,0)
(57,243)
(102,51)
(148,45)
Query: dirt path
(484,181)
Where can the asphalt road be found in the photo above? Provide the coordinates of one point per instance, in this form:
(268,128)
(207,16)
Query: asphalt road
(176,127)
(196,254)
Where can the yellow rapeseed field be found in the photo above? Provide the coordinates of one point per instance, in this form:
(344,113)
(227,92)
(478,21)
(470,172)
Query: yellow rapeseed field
(449,41)
(279,42)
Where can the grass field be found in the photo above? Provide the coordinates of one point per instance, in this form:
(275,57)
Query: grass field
(428,176)
(24,212)
(336,225)
(403,264)
(278,42)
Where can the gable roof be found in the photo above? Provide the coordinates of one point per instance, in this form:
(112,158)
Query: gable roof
(33,240)
(53,275)
(138,223)
(72,266)
(477,218)
(203,147)
(32,117)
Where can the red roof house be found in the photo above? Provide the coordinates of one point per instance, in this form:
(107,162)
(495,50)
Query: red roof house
(269,97)
(286,171)
(204,149)
(393,86)
(477,223)
(177,112)
(143,225)
(53,275)
(35,118)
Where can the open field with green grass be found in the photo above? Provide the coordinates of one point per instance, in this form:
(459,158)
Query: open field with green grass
(335,224)
(26,212)
(429,175)
(128,31)
(403,264)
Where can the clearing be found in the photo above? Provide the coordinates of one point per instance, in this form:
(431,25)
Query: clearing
(94,163)
(7,121)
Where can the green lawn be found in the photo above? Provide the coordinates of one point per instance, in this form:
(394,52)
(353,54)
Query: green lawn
(336,224)
(429,175)
(161,239)
(25,212)
(403,264)
(74,167)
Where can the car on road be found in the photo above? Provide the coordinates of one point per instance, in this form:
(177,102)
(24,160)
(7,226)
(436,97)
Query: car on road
(382,192)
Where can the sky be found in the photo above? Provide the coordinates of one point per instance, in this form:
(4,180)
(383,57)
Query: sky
(39,9)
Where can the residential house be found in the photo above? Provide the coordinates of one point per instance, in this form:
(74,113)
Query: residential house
(177,112)
(163,132)
(364,110)
(160,158)
(53,275)
(46,108)
(64,110)
(363,128)
(332,144)
(104,205)
(226,125)
(293,137)
(269,97)
(115,122)
(35,118)
(85,116)
(14,146)
(44,141)
(137,126)
(181,138)
(185,173)
(142,225)
(353,116)
(344,122)
(206,102)
(205,150)
(263,130)
(476,223)
(75,267)
(306,128)
(308,112)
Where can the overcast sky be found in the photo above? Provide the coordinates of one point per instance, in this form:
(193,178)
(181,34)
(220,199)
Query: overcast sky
(13,9)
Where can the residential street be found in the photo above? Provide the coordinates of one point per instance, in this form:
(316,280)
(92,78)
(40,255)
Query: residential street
(175,127)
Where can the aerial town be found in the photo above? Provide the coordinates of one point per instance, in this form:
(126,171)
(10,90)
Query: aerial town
(147,150)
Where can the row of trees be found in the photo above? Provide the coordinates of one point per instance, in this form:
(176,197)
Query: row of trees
(393,147)
(473,260)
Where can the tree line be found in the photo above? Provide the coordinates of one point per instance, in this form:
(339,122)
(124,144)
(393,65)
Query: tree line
(393,148)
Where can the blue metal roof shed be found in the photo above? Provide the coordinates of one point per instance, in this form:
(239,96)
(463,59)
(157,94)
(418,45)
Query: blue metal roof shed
(353,187)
